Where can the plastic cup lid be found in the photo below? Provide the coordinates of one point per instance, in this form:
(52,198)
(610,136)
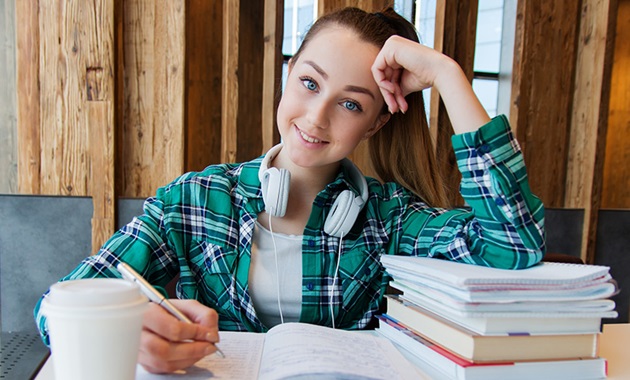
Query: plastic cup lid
(94,292)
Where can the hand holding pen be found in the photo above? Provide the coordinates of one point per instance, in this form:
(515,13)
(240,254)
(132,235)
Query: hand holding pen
(165,346)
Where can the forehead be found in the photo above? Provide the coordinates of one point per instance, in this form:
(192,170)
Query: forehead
(339,50)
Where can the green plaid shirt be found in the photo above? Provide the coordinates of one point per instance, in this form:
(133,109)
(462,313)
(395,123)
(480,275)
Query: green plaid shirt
(200,226)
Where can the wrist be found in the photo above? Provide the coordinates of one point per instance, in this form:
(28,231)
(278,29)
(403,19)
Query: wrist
(448,75)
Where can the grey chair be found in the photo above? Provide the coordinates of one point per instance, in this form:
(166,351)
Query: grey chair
(41,239)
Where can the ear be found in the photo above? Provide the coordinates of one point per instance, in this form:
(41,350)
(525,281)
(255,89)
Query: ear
(290,65)
(381,120)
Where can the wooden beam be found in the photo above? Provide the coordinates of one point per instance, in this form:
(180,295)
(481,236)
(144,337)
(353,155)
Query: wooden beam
(204,41)
(64,137)
(455,32)
(28,96)
(542,84)
(152,149)
(250,78)
(243,52)
(101,127)
(99,42)
(230,93)
(272,71)
(590,116)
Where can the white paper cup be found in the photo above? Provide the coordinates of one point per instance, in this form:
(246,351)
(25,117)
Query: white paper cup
(94,327)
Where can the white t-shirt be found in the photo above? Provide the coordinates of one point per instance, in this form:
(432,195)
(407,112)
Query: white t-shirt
(263,277)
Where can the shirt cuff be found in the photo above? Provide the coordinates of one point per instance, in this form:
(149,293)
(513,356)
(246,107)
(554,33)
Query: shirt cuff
(490,145)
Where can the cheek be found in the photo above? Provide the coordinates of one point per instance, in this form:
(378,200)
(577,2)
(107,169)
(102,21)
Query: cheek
(283,110)
(288,103)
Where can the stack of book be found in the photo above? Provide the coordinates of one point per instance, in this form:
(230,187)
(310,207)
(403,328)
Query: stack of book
(462,321)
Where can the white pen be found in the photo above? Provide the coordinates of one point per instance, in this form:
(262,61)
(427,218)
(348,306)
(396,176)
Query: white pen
(154,296)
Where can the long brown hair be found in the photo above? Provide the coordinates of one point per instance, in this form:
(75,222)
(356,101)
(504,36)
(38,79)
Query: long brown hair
(402,151)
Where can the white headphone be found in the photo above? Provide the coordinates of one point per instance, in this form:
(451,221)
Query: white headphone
(344,212)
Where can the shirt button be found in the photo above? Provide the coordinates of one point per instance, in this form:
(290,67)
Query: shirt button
(311,243)
(483,149)
(500,202)
(309,286)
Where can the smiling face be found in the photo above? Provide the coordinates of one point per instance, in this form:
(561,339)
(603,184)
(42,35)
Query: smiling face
(331,101)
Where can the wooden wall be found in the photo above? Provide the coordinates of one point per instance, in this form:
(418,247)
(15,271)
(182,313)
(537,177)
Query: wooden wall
(541,106)
(560,91)
(116,98)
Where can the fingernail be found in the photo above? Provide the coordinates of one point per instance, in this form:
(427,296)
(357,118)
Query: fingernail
(210,337)
(210,350)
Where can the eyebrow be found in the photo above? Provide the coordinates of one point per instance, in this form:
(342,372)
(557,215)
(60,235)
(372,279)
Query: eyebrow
(350,88)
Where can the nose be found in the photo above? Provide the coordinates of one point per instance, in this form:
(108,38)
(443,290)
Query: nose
(318,113)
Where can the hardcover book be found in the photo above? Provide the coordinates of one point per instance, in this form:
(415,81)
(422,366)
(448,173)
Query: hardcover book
(478,348)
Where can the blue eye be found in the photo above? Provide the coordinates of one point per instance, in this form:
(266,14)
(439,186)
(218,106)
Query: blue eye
(351,106)
(309,84)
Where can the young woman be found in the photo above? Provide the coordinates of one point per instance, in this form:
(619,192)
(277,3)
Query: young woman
(250,253)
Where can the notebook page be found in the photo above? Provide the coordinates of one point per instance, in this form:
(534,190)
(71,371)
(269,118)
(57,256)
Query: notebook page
(460,274)
(303,350)
(242,350)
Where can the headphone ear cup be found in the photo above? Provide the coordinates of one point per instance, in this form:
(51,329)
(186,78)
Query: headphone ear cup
(275,190)
(343,214)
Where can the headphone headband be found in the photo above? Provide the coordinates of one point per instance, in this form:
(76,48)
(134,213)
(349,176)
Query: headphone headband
(275,189)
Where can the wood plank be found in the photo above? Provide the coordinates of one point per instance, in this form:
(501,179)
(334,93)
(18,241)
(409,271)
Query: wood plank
(541,86)
(153,106)
(250,80)
(272,71)
(8,108)
(64,139)
(616,177)
(28,96)
(100,115)
(204,36)
(590,116)
(138,102)
(230,90)
(169,48)
(98,39)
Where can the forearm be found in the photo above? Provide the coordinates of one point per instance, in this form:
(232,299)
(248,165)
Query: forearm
(464,109)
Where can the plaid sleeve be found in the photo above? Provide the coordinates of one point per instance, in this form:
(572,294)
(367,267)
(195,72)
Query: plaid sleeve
(138,244)
(504,224)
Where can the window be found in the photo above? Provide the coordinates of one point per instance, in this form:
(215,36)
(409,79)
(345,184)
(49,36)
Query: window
(488,53)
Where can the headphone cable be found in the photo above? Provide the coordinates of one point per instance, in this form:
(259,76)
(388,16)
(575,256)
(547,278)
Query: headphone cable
(332,289)
(275,254)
